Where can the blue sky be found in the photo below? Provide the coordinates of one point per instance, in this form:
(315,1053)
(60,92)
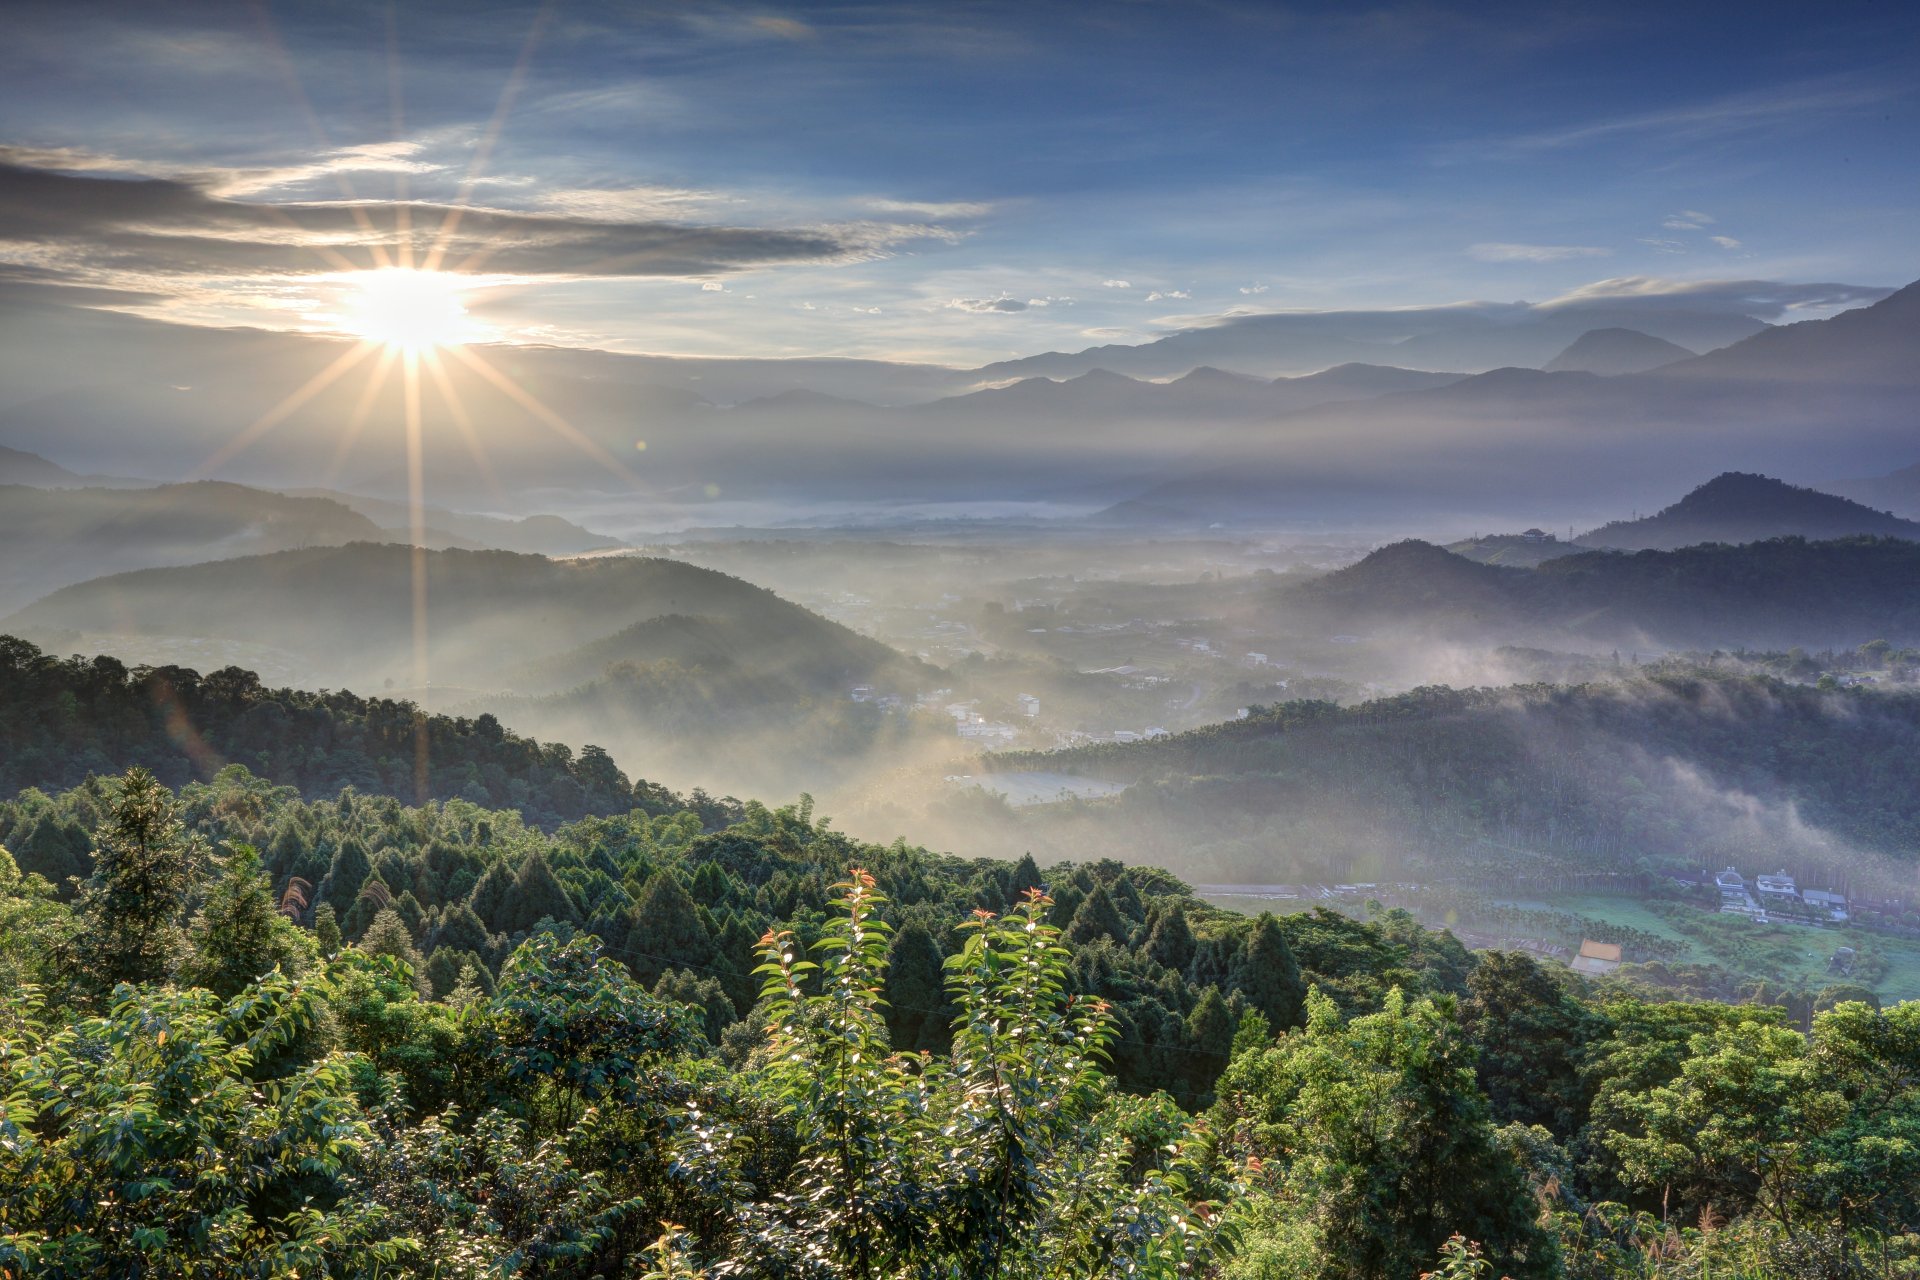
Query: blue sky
(960,182)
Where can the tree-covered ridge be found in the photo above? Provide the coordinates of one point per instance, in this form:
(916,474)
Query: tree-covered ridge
(1741,507)
(62,720)
(1775,593)
(346,612)
(1665,766)
(203,1078)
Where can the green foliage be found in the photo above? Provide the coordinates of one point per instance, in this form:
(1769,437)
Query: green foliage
(1375,1131)
(129,910)
(142,1142)
(238,936)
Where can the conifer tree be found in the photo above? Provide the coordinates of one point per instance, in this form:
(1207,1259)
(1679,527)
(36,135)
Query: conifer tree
(1171,941)
(1097,918)
(129,909)
(664,931)
(348,873)
(1209,1045)
(491,894)
(536,896)
(237,934)
(918,1014)
(1267,974)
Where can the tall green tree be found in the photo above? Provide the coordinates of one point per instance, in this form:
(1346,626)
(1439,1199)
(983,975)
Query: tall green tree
(1374,1134)
(129,910)
(238,935)
(918,1012)
(1266,973)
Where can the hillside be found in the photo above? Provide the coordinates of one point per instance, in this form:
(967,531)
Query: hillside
(315,743)
(1773,594)
(1898,492)
(546,535)
(348,611)
(17,466)
(1737,507)
(56,537)
(1532,781)
(1615,351)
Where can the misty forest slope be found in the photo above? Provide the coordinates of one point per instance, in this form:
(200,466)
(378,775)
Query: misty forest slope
(56,537)
(1737,507)
(347,612)
(62,720)
(1774,594)
(1688,769)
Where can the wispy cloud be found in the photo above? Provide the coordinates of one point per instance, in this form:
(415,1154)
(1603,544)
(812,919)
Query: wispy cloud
(1762,299)
(989,306)
(1725,242)
(948,209)
(1160,294)
(1796,105)
(1116,284)
(1499,252)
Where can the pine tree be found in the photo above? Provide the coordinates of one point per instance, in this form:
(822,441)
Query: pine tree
(664,931)
(388,936)
(1267,974)
(238,935)
(129,909)
(1171,942)
(348,873)
(1026,875)
(918,1014)
(326,929)
(491,894)
(536,896)
(1209,1045)
(1097,918)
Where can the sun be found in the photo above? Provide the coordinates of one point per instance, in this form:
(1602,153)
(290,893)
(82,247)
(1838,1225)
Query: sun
(407,310)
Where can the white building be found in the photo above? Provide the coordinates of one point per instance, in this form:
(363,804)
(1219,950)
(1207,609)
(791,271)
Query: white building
(1777,886)
(1029,705)
(987,731)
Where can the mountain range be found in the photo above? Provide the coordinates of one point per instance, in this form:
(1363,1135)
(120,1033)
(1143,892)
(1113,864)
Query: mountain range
(1768,595)
(665,442)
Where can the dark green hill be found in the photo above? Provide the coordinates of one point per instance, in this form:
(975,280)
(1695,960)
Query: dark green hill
(1739,507)
(1540,781)
(348,613)
(64,719)
(56,537)
(1773,594)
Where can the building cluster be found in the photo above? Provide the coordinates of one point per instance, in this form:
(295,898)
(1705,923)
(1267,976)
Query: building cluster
(1780,894)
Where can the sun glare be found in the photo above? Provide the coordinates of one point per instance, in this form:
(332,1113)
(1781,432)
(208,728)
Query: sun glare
(408,310)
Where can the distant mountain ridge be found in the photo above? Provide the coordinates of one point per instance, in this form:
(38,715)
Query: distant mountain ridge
(60,536)
(1740,507)
(1615,351)
(1799,399)
(347,611)
(1773,594)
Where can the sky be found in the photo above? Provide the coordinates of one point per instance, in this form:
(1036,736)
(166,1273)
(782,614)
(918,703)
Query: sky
(954,182)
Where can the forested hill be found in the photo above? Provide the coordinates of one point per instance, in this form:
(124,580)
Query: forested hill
(62,720)
(1738,507)
(346,613)
(1774,594)
(57,537)
(1684,769)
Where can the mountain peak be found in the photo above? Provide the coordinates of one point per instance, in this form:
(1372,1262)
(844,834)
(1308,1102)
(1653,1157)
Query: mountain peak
(1739,506)
(1616,351)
